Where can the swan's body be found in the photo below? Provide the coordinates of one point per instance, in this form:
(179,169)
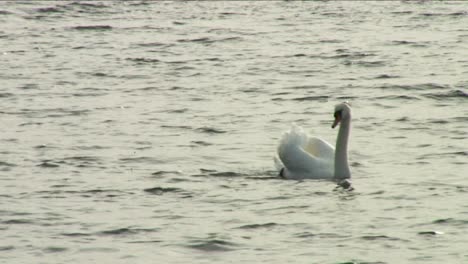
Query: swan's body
(304,157)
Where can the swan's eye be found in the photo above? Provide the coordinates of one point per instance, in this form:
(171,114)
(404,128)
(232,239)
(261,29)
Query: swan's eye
(337,114)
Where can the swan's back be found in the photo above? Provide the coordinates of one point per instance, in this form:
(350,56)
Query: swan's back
(304,156)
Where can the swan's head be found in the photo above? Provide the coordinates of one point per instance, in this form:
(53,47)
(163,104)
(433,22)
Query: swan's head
(342,112)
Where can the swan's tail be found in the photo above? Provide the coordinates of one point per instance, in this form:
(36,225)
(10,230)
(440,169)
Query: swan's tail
(288,147)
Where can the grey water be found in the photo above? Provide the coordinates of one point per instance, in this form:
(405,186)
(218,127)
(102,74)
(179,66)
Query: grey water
(145,131)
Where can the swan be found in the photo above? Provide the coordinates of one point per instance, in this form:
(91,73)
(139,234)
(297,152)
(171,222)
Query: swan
(304,157)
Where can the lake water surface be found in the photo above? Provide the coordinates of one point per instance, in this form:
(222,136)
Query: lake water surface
(144,131)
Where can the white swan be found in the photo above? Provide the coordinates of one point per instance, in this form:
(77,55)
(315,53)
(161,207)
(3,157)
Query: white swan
(305,157)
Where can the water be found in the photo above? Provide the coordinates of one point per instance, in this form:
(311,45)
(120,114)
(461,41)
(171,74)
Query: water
(137,132)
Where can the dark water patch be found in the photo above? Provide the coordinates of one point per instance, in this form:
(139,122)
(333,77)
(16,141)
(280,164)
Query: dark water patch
(207,170)
(210,130)
(99,249)
(60,194)
(201,143)
(401,12)
(7,164)
(76,234)
(265,178)
(228,174)
(140,61)
(93,28)
(55,249)
(450,221)
(305,235)
(152,44)
(177,111)
(312,98)
(206,40)
(380,237)
(398,97)
(194,40)
(386,76)
(444,154)
(212,245)
(48,164)
(145,242)
(164,173)
(6,248)
(306,87)
(151,160)
(257,226)
(4,12)
(163,190)
(368,64)
(49,10)
(214,173)
(422,87)
(83,159)
(430,233)
(17,222)
(454,14)
(5,95)
(410,43)
(87,5)
(439,121)
(362,262)
(346,54)
(331,41)
(127,231)
(176,126)
(458,94)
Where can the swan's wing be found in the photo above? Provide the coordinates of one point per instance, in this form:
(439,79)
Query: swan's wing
(320,148)
(296,159)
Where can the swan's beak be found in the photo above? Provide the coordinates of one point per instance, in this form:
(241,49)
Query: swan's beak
(337,120)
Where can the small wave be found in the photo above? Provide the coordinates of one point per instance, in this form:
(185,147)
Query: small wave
(55,249)
(6,248)
(454,14)
(127,231)
(210,130)
(49,10)
(380,237)
(449,94)
(140,61)
(422,86)
(7,164)
(161,173)
(450,221)
(386,76)
(4,12)
(398,97)
(205,40)
(312,98)
(256,226)
(87,4)
(5,95)
(48,164)
(95,27)
(430,233)
(17,222)
(201,143)
(214,173)
(162,190)
(212,245)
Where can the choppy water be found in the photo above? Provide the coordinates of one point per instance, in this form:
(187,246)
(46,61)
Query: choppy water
(143,132)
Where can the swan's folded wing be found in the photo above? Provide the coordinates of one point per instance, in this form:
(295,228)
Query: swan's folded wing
(320,148)
(296,159)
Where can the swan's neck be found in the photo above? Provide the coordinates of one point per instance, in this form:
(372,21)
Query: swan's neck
(342,170)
